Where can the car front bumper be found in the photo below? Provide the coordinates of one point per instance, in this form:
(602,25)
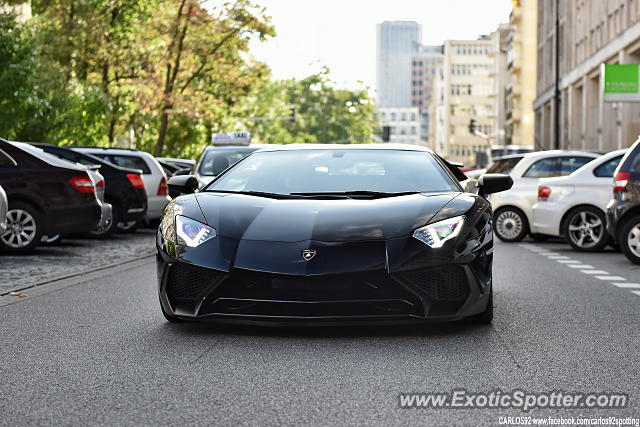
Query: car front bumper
(416,290)
(546,218)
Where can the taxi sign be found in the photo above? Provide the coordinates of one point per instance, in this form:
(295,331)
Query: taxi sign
(232,138)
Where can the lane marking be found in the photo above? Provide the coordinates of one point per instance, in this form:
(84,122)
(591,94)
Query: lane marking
(610,278)
(636,292)
(579,265)
(568,261)
(558,257)
(594,272)
(627,285)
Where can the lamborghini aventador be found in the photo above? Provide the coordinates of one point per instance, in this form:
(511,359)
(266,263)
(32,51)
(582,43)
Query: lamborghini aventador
(328,234)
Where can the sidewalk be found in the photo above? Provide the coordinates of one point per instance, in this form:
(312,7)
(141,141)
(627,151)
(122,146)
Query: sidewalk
(72,256)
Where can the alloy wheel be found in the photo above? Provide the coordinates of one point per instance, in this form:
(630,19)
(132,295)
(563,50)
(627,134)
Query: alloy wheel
(21,229)
(586,229)
(509,224)
(633,240)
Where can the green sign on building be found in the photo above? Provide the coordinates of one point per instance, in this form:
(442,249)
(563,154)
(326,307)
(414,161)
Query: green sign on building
(621,83)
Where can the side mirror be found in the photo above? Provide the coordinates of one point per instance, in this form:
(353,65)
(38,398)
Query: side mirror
(490,183)
(182,184)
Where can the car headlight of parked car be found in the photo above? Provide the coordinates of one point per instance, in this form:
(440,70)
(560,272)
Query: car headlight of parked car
(434,235)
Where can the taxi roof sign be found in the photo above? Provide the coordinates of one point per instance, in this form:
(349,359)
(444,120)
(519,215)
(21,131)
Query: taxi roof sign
(232,138)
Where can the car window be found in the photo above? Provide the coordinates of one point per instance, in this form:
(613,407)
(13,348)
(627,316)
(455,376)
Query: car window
(6,161)
(504,165)
(543,168)
(607,169)
(132,162)
(337,170)
(569,164)
(632,164)
(215,161)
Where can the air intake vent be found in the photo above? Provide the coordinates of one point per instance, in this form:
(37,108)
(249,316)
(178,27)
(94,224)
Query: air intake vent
(441,283)
(189,282)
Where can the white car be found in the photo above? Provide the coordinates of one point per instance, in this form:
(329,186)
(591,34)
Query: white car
(154,177)
(513,209)
(574,206)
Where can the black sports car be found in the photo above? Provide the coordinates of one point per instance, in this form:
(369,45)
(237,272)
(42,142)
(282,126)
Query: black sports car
(325,234)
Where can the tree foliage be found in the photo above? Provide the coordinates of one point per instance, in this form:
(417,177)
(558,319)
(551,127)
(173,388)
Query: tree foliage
(162,75)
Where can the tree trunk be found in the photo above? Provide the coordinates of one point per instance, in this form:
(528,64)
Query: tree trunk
(164,127)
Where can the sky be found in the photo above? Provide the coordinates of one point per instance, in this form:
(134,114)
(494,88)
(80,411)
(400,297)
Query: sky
(341,34)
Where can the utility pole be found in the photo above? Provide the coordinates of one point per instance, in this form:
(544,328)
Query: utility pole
(556,97)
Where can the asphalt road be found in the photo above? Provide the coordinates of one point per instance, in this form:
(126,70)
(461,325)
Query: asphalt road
(95,349)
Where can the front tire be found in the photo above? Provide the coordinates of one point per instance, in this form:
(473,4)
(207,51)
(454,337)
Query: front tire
(629,239)
(585,229)
(510,224)
(25,227)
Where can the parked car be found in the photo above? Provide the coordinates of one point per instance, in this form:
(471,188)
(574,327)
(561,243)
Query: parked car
(154,177)
(623,212)
(97,179)
(574,206)
(124,188)
(4,206)
(169,168)
(216,159)
(512,209)
(47,196)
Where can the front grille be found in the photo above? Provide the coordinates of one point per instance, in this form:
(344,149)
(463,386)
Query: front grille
(371,293)
(440,283)
(189,282)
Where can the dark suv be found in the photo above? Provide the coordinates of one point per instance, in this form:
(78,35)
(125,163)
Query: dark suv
(623,212)
(124,188)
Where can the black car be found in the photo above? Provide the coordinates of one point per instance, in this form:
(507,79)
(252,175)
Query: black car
(329,233)
(47,196)
(124,187)
(623,212)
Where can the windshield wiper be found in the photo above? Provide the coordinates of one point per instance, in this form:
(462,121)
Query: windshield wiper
(256,193)
(359,193)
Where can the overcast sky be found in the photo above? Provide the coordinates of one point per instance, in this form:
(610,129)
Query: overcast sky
(342,33)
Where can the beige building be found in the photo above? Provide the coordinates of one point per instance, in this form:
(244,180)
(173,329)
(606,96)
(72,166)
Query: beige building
(591,32)
(520,87)
(469,80)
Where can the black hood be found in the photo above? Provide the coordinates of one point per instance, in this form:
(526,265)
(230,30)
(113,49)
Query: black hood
(244,217)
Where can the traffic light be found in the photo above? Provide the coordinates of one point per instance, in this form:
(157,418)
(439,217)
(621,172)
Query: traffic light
(386,133)
(472,126)
(292,116)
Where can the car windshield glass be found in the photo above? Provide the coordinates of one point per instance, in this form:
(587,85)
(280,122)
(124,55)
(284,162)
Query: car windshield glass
(325,171)
(504,165)
(216,160)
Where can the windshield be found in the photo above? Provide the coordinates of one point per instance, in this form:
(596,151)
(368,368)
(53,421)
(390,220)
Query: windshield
(216,160)
(504,165)
(336,171)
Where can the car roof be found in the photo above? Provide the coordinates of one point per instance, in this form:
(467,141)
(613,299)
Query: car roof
(373,146)
(553,153)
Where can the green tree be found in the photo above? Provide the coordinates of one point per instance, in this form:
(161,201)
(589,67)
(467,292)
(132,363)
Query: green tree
(324,113)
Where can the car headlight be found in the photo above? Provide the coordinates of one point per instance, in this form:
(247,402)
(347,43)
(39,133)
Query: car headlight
(192,233)
(436,234)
